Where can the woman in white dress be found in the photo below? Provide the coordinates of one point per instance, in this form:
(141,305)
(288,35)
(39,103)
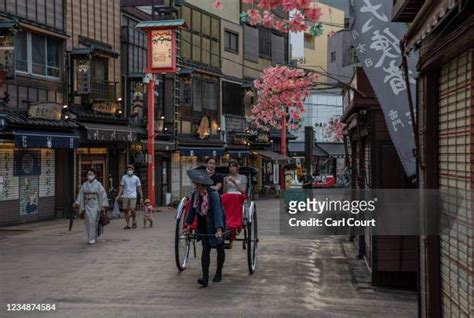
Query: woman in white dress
(91,199)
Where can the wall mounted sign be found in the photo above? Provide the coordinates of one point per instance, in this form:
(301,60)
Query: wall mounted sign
(47,177)
(10,183)
(204,128)
(108,108)
(7,58)
(49,111)
(27,163)
(83,76)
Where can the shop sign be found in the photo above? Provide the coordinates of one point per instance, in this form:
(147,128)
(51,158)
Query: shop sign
(49,111)
(108,108)
(83,76)
(204,129)
(7,58)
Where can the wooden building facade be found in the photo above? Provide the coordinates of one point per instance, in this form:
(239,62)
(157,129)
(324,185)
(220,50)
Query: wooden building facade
(375,164)
(94,89)
(443,34)
(37,140)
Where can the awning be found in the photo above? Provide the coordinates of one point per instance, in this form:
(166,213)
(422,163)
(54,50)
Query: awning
(108,132)
(336,150)
(42,139)
(201,151)
(243,153)
(274,156)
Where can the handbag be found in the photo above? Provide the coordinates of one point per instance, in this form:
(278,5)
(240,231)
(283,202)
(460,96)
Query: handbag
(104,218)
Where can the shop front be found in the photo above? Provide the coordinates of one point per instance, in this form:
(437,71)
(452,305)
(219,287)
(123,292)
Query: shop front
(35,156)
(104,147)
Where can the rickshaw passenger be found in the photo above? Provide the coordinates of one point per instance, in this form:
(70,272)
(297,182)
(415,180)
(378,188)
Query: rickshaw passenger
(217,178)
(235,182)
(235,193)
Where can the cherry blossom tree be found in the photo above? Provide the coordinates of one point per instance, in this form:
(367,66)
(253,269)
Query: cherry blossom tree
(281,92)
(333,130)
(302,15)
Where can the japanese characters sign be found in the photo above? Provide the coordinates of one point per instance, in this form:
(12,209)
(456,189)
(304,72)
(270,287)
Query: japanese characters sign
(162,48)
(47,110)
(377,42)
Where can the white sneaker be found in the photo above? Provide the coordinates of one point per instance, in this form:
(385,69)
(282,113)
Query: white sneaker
(91,242)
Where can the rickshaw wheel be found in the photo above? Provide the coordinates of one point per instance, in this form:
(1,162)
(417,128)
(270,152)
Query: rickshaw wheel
(252,242)
(182,244)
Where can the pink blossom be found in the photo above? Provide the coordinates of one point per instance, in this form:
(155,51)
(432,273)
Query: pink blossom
(268,4)
(296,23)
(267,20)
(313,14)
(248,1)
(281,90)
(218,4)
(302,4)
(288,5)
(254,16)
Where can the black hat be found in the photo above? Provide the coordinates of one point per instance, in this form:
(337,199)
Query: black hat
(200,176)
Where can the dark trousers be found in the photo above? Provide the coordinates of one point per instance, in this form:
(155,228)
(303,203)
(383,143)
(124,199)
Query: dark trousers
(206,258)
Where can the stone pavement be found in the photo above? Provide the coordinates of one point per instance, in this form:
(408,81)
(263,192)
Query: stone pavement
(133,274)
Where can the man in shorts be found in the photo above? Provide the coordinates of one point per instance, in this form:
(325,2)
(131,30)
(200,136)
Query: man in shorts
(129,185)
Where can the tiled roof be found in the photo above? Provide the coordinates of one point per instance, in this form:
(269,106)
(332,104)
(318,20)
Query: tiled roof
(17,118)
(94,116)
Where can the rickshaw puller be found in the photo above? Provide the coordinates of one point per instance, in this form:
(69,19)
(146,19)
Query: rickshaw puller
(206,202)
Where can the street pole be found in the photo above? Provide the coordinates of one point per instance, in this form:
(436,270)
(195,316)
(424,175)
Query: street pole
(283,151)
(151,139)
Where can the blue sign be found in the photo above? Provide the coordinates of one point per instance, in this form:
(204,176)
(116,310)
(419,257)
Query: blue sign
(37,139)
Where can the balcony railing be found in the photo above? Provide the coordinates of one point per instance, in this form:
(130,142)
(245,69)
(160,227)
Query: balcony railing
(103,90)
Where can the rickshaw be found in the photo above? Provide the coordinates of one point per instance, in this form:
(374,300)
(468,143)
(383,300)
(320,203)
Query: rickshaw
(249,229)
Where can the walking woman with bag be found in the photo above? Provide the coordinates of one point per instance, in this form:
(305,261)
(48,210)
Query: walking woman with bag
(206,204)
(91,200)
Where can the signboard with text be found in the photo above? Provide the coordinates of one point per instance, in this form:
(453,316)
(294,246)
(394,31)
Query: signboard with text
(49,111)
(163,51)
(377,42)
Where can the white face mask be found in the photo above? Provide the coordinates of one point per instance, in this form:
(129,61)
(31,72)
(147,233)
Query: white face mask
(90,177)
(130,172)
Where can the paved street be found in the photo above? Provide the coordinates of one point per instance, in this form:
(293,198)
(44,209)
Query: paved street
(133,274)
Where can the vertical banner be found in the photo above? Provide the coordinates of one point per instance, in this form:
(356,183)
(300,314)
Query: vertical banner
(377,42)
(47,177)
(29,191)
(9,189)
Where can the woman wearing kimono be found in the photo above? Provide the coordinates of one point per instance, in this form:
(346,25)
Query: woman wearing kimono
(91,199)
